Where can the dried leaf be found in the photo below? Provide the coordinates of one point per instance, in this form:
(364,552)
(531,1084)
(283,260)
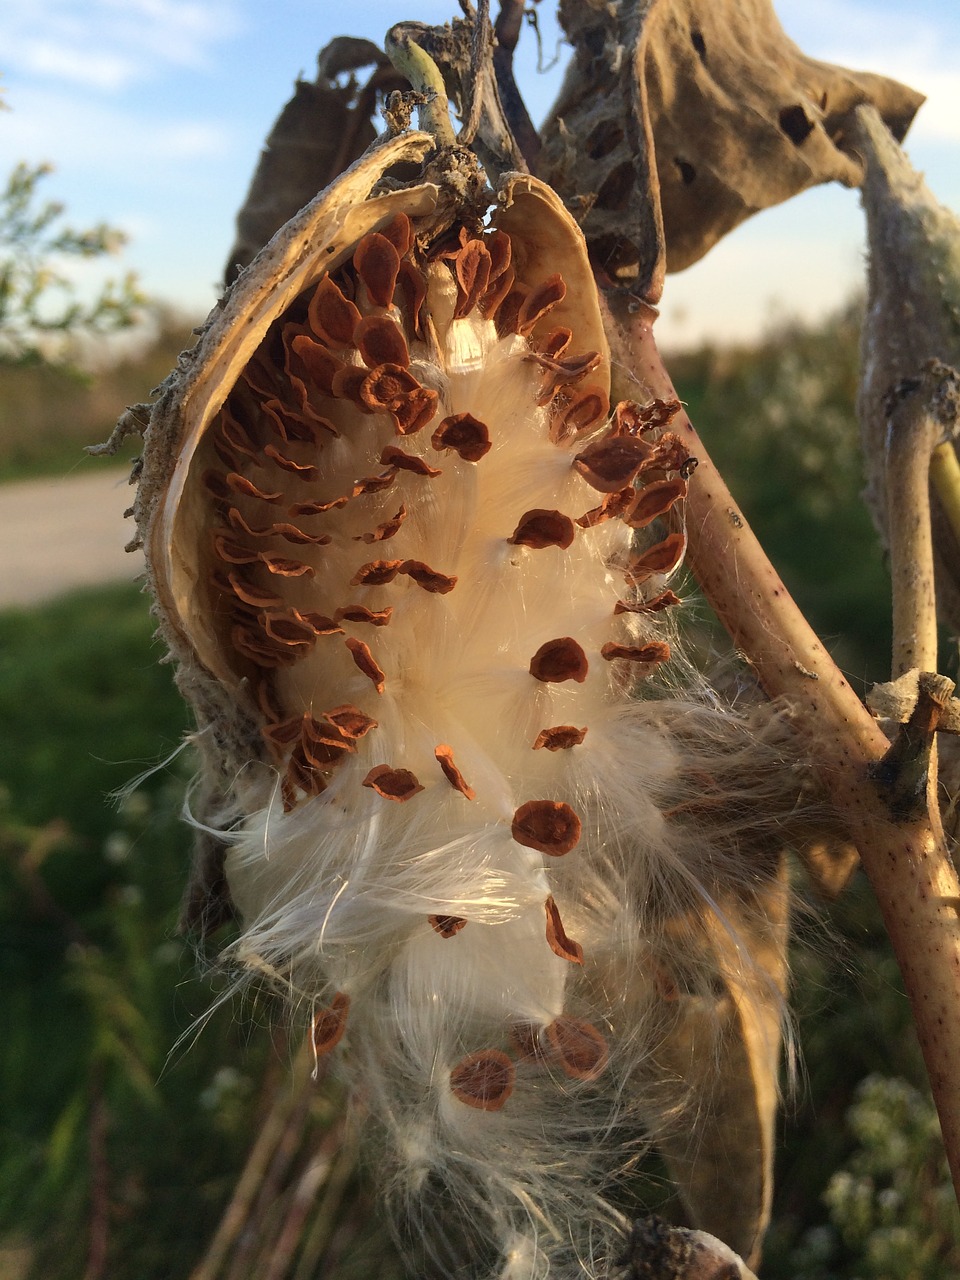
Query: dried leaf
(737,117)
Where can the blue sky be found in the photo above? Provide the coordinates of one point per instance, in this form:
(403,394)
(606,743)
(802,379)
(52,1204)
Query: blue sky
(153,113)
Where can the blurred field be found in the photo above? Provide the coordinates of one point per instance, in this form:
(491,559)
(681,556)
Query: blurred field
(121,1148)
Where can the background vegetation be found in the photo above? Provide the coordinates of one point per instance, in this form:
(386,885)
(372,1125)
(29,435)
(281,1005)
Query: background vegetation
(122,1143)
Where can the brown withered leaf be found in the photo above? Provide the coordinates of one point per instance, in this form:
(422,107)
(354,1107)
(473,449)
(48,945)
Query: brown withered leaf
(738,118)
(319,133)
(719,1148)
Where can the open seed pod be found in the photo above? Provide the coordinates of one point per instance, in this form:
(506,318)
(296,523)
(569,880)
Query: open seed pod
(412,566)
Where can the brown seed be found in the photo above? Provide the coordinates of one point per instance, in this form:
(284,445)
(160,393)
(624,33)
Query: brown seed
(540,528)
(525,1040)
(321,624)
(655,500)
(415,411)
(656,651)
(240,484)
(611,463)
(665,600)
(560,738)
(377,263)
(385,530)
(613,505)
(317,508)
(453,775)
(287,627)
(360,613)
(429,579)
(367,663)
(375,484)
(283,734)
(376,573)
(464,434)
(387,386)
(395,457)
(393,784)
(663,557)
(550,826)
(350,720)
(331,316)
(413,287)
(472,266)
(578,1046)
(329,1023)
(284,567)
(380,341)
(399,231)
(227,548)
(250,593)
(302,471)
(446,926)
(483,1080)
(539,302)
(557,939)
(559,660)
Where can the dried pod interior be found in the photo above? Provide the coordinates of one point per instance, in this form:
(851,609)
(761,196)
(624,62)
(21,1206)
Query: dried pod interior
(398,547)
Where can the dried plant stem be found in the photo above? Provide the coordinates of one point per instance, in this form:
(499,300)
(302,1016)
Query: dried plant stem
(913,433)
(907,863)
(262,1157)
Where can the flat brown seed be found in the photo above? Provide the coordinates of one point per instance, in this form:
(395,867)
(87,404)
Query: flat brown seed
(393,784)
(395,457)
(331,316)
(663,557)
(377,263)
(611,463)
(375,484)
(656,651)
(655,500)
(427,578)
(376,573)
(303,471)
(614,504)
(453,775)
(380,341)
(560,738)
(237,483)
(329,1024)
(559,660)
(541,300)
(483,1080)
(284,567)
(665,600)
(399,231)
(540,528)
(360,613)
(383,531)
(578,1047)
(367,663)
(446,926)
(557,939)
(350,720)
(250,593)
(464,434)
(550,826)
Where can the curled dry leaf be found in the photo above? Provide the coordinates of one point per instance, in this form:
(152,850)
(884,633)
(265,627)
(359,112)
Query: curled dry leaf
(738,119)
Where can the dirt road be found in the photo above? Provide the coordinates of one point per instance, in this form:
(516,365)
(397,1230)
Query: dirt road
(62,533)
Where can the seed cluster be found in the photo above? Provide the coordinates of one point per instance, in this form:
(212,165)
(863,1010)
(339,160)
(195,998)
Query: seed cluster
(346,373)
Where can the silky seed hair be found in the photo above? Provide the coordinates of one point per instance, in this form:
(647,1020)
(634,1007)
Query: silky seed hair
(413,566)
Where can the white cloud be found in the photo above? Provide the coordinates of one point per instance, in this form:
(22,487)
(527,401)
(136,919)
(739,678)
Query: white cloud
(110,44)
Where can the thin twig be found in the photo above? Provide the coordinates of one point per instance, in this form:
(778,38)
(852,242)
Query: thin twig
(507,34)
(238,1211)
(907,862)
(911,437)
